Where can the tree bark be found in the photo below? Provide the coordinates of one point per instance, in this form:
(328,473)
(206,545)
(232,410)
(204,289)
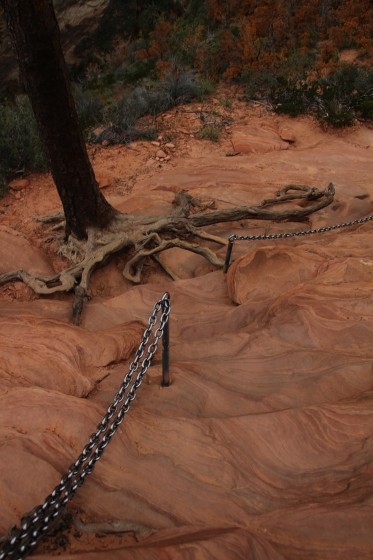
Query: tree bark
(35,32)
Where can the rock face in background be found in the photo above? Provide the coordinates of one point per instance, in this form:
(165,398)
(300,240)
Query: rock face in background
(262,446)
(76,19)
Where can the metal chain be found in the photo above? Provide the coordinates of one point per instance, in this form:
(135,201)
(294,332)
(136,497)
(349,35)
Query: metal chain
(22,540)
(234,237)
(298,233)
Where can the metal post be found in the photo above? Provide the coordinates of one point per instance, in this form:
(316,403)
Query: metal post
(166,355)
(228,255)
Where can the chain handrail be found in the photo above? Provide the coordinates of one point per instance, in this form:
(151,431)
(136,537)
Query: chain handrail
(22,540)
(261,237)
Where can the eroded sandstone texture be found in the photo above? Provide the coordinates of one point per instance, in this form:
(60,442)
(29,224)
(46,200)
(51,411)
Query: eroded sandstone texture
(262,447)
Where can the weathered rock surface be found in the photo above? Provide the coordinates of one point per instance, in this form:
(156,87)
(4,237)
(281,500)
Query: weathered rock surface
(17,253)
(262,447)
(49,354)
(258,139)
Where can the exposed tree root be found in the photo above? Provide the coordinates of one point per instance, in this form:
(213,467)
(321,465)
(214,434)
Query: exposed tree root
(147,236)
(50,218)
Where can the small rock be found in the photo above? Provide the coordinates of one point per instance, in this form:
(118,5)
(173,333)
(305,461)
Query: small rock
(287,135)
(104,181)
(167,158)
(105,143)
(154,374)
(161,154)
(19,184)
(160,137)
(17,195)
(170,145)
(155,143)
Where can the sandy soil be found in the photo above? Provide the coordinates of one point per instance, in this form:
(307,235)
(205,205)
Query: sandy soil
(262,447)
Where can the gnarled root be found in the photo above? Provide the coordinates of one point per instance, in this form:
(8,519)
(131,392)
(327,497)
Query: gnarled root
(147,236)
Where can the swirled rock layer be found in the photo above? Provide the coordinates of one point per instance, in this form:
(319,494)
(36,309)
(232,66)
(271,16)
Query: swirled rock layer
(262,447)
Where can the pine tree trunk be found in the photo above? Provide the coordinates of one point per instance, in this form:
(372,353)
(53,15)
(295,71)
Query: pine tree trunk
(36,35)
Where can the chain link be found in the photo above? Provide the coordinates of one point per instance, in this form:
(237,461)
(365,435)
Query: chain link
(261,237)
(33,525)
(299,233)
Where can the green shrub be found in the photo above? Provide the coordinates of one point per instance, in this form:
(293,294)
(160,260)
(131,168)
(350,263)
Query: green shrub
(209,132)
(129,109)
(345,94)
(123,116)
(336,114)
(292,99)
(150,99)
(20,145)
(205,87)
(336,99)
(259,84)
(132,72)
(339,84)
(226,102)
(365,109)
(292,107)
(89,108)
(363,99)
(3,183)
(286,76)
(180,86)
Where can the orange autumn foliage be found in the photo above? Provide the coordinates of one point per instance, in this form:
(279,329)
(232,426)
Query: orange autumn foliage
(240,35)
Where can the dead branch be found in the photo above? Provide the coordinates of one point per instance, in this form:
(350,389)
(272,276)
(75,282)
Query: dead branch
(184,203)
(63,282)
(233,152)
(81,295)
(301,192)
(140,256)
(204,235)
(265,104)
(321,198)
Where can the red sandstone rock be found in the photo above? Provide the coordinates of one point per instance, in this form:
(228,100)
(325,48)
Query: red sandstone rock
(161,154)
(104,181)
(19,184)
(17,253)
(287,134)
(261,448)
(257,139)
